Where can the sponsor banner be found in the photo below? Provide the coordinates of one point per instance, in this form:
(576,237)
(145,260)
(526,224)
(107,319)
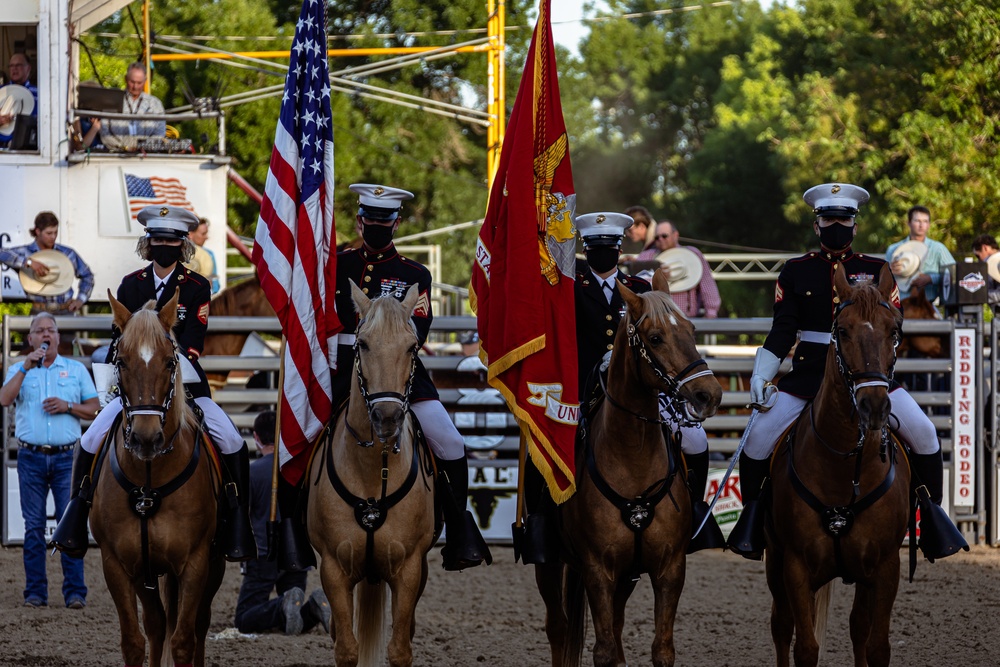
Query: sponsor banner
(727,509)
(964,404)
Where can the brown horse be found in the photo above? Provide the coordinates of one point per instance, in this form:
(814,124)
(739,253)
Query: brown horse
(154,503)
(917,307)
(631,513)
(244,298)
(371,509)
(841,487)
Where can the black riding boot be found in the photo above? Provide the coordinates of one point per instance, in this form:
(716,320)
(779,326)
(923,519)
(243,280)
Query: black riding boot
(711,536)
(237,540)
(292,549)
(747,536)
(939,537)
(71,536)
(538,542)
(465,546)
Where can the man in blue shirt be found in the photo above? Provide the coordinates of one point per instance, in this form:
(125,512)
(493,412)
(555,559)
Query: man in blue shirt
(50,394)
(931,266)
(19,69)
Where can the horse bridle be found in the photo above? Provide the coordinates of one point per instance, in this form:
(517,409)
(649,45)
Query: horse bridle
(132,411)
(677,405)
(373,398)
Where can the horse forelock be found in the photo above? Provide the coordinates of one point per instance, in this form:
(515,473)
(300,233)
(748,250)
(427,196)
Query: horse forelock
(387,318)
(660,309)
(868,299)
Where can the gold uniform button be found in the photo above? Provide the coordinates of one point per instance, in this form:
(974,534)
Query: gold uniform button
(370,267)
(609,332)
(802,358)
(607,317)
(364,290)
(836,266)
(808,293)
(368,279)
(611,347)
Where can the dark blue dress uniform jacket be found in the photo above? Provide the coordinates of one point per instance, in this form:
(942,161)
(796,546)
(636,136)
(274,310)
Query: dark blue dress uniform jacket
(192,310)
(377,274)
(803,301)
(597,320)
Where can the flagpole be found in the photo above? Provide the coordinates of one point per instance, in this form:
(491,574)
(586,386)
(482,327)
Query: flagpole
(276,464)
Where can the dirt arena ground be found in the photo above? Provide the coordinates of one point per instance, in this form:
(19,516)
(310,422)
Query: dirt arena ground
(493,616)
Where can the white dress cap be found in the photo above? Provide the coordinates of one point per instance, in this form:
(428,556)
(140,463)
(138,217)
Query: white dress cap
(836,199)
(602,228)
(379,202)
(170,222)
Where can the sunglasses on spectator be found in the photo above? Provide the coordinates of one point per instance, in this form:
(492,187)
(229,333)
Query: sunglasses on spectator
(663,236)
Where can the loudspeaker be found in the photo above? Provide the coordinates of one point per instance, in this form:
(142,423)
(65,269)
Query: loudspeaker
(964,284)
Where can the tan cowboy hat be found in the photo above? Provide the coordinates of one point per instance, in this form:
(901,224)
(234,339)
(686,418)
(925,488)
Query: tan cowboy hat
(14,100)
(58,280)
(993,266)
(685,268)
(910,254)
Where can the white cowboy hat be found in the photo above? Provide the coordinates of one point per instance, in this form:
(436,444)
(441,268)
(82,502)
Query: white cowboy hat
(685,268)
(908,255)
(993,266)
(15,100)
(58,280)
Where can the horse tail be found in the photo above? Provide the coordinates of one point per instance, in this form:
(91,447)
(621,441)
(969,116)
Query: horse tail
(575,601)
(369,623)
(822,613)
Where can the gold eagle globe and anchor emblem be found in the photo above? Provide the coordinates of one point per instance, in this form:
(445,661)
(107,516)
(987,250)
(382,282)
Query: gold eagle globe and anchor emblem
(557,225)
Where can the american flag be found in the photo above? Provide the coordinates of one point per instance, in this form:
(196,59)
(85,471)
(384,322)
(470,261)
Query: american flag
(295,246)
(154,191)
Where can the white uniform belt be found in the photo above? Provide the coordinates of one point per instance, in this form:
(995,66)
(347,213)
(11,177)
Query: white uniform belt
(821,337)
(346,339)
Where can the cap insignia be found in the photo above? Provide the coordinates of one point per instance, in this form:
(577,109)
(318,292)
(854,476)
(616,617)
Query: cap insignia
(379,191)
(600,219)
(835,189)
(164,211)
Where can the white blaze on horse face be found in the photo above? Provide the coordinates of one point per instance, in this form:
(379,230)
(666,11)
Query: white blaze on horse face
(146,353)
(869,325)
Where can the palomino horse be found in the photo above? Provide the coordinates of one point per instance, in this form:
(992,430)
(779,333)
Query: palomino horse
(371,509)
(841,488)
(154,504)
(244,298)
(632,511)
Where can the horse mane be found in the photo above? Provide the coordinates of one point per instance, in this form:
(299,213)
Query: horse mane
(386,318)
(145,325)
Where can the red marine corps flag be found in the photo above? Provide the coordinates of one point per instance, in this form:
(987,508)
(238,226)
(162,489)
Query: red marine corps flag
(522,279)
(295,246)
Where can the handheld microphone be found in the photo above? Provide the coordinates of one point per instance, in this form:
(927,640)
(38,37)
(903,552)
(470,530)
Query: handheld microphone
(44,347)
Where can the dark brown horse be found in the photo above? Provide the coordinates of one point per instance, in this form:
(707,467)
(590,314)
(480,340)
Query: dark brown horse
(244,298)
(841,487)
(917,307)
(631,513)
(371,507)
(154,507)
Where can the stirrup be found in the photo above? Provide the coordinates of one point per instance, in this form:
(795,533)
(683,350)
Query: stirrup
(711,536)
(238,539)
(939,536)
(540,544)
(747,536)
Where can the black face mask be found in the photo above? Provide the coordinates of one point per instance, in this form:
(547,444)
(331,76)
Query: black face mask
(377,236)
(602,258)
(165,255)
(836,236)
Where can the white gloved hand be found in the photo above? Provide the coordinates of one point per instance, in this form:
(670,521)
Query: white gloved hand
(763,394)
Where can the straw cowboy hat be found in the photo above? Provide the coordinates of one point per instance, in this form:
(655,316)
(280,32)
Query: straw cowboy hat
(685,268)
(907,258)
(15,100)
(58,280)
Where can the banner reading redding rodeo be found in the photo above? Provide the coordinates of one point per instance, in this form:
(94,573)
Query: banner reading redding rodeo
(522,279)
